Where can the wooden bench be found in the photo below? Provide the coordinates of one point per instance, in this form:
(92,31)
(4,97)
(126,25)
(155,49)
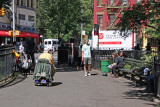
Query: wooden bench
(133,69)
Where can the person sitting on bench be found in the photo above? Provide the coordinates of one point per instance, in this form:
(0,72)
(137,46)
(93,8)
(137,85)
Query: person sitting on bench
(118,63)
(149,79)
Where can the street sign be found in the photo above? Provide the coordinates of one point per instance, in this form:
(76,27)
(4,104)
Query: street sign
(83,32)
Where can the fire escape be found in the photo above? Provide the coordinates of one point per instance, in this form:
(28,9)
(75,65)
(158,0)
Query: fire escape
(116,6)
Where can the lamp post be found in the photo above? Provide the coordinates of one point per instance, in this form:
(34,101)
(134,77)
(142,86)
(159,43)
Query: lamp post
(13,12)
(81,22)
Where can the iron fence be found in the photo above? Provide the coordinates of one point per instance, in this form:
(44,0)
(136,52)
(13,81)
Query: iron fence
(157,75)
(97,56)
(6,63)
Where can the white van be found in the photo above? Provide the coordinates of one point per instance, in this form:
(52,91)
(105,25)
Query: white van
(49,43)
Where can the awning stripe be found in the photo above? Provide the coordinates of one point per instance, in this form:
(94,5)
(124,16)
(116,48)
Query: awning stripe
(23,34)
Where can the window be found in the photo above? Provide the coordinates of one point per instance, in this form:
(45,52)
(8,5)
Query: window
(27,3)
(125,2)
(138,1)
(21,2)
(17,2)
(30,18)
(31,3)
(100,21)
(112,3)
(49,42)
(152,1)
(99,2)
(111,19)
(21,16)
(54,42)
(45,42)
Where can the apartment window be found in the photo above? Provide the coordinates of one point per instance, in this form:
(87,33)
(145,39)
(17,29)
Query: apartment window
(31,3)
(152,1)
(17,2)
(27,3)
(21,2)
(30,18)
(111,2)
(138,1)
(100,21)
(21,16)
(111,19)
(99,2)
(125,2)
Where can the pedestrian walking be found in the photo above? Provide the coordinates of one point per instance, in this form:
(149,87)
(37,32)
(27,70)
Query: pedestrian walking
(30,50)
(53,51)
(79,57)
(86,57)
(21,50)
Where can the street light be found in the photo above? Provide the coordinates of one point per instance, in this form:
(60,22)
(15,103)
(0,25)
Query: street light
(13,12)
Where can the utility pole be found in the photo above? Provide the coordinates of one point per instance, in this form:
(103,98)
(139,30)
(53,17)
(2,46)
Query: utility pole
(13,12)
(81,22)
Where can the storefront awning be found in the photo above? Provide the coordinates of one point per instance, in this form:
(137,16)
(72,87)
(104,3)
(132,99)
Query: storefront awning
(28,34)
(22,34)
(4,33)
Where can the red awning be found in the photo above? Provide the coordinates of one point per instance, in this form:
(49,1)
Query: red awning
(27,34)
(4,33)
(23,34)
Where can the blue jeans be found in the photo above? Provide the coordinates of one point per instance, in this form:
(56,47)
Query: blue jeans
(150,82)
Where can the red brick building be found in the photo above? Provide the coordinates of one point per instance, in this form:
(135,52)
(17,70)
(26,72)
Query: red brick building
(107,13)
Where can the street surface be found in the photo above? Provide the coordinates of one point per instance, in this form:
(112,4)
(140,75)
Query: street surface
(71,88)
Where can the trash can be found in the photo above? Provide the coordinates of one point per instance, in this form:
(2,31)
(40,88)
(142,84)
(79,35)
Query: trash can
(104,66)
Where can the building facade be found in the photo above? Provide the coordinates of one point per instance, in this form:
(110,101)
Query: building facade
(25,18)
(107,14)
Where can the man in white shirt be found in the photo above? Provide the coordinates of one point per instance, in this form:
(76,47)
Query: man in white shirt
(21,49)
(86,57)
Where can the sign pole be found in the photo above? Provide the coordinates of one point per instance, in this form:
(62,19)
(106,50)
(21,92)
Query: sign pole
(13,12)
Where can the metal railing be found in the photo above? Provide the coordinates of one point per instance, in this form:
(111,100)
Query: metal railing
(97,56)
(157,75)
(6,63)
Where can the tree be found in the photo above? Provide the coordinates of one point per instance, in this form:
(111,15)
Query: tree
(2,2)
(58,17)
(87,16)
(144,15)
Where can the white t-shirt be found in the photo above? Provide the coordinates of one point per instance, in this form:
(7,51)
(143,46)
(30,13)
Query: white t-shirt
(86,49)
(21,48)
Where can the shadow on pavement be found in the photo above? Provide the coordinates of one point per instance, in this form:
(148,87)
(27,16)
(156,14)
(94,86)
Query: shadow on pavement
(65,68)
(19,79)
(139,93)
(56,84)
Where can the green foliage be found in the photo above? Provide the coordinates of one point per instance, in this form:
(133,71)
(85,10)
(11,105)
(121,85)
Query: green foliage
(62,18)
(2,2)
(58,17)
(127,66)
(142,15)
(87,19)
(148,58)
(158,105)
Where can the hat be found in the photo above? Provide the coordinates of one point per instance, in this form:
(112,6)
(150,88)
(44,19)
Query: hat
(146,70)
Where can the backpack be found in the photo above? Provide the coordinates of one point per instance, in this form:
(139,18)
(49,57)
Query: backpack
(42,69)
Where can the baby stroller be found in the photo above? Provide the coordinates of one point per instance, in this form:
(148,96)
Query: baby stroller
(43,73)
(24,65)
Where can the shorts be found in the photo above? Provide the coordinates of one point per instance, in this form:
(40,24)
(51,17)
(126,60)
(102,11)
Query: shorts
(87,60)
